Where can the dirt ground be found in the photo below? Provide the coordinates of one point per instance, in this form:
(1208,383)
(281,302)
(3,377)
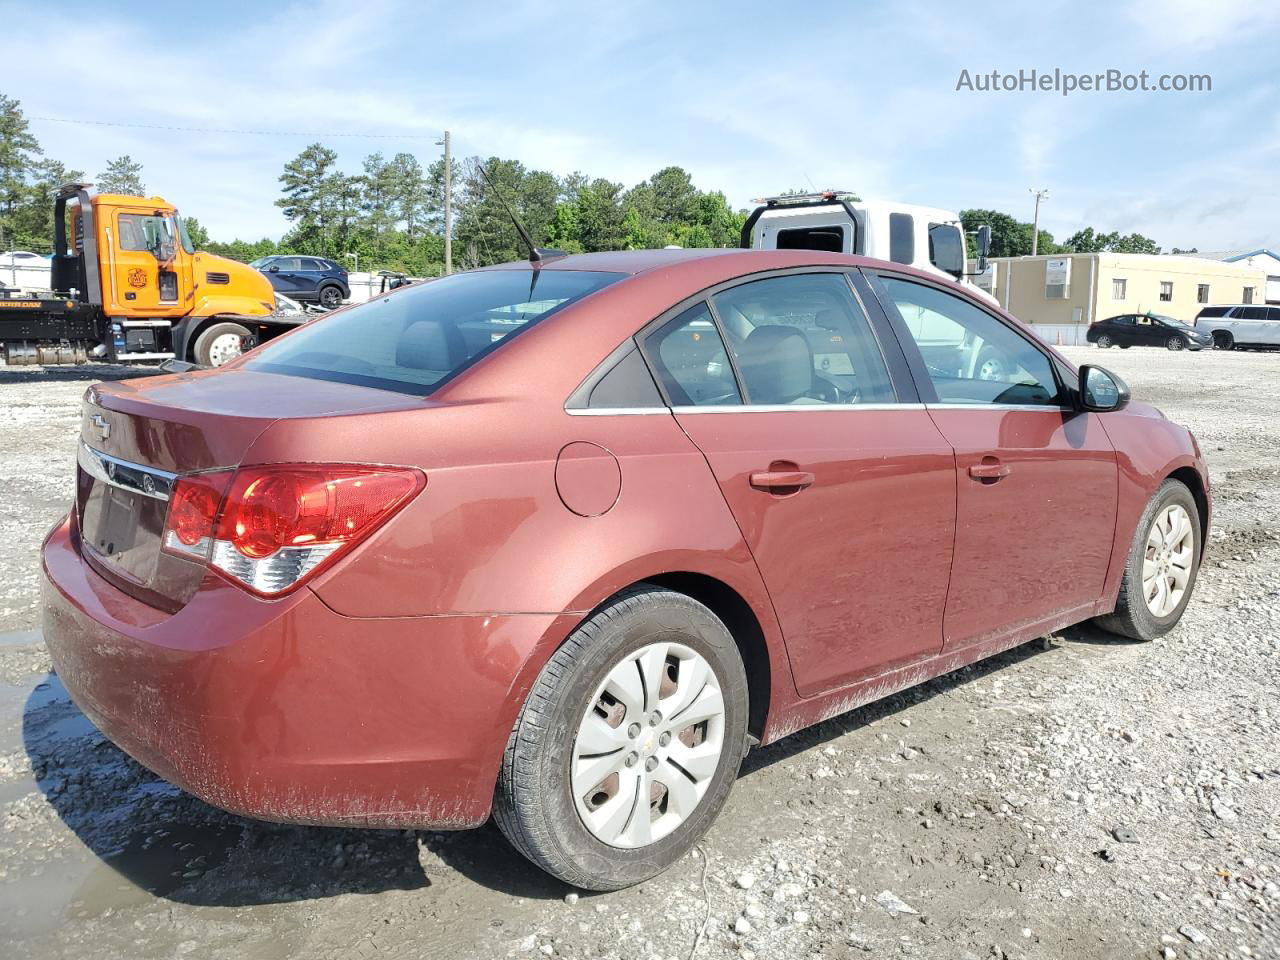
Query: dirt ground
(1084,798)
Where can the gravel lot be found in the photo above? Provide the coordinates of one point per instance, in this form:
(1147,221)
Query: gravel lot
(1087,797)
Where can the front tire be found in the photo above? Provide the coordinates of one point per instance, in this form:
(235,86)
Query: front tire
(1161,569)
(219,344)
(1223,341)
(628,744)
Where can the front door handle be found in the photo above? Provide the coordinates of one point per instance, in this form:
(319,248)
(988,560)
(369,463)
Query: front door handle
(772,479)
(989,471)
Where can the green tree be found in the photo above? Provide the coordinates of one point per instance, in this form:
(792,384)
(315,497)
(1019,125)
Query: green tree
(196,233)
(600,216)
(1087,241)
(123,175)
(310,190)
(1009,237)
(32,220)
(19,153)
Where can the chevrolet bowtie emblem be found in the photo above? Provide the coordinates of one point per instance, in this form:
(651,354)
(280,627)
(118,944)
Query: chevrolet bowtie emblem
(104,428)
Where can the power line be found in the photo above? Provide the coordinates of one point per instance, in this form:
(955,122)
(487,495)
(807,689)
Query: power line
(255,133)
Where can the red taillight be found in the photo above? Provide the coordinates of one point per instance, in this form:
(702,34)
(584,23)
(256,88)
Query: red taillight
(193,509)
(278,524)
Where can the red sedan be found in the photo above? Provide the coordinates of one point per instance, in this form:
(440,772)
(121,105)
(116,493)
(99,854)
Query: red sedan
(560,542)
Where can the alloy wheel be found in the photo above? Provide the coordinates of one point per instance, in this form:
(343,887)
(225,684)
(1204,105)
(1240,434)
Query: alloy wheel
(1104,341)
(1175,343)
(648,745)
(1167,562)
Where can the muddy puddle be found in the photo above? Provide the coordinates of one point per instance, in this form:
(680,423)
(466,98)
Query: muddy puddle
(57,771)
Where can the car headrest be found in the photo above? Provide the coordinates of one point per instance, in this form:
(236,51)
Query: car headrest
(829,319)
(777,364)
(430,345)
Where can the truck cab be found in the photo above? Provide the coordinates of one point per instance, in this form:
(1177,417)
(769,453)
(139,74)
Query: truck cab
(126,284)
(927,238)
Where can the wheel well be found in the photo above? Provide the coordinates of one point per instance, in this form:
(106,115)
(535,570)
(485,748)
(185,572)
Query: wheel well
(727,604)
(1223,336)
(1191,480)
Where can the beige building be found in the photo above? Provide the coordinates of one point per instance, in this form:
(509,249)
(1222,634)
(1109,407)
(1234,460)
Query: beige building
(1062,294)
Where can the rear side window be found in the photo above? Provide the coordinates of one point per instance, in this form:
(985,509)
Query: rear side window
(1252,313)
(419,336)
(690,360)
(315,265)
(803,340)
(1212,312)
(902,239)
(830,239)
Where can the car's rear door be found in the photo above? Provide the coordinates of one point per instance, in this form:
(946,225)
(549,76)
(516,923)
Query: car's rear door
(840,482)
(1036,479)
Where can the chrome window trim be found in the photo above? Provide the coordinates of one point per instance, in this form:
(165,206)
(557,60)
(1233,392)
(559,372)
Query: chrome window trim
(797,408)
(1029,407)
(616,411)
(124,475)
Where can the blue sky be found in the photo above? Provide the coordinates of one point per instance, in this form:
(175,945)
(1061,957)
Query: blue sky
(751,98)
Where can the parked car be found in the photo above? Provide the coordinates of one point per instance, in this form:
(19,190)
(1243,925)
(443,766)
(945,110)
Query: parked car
(560,543)
(1240,325)
(1146,330)
(306,279)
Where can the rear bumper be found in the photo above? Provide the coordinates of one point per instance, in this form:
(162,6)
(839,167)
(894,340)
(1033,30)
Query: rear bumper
(284,710)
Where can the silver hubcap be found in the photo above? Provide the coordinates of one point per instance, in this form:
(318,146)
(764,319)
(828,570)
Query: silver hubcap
(1166,565)
(1175,344)
(648,746)
(224,349)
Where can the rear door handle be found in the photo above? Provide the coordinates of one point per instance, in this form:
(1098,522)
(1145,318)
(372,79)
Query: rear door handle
(988,471)
(770,479)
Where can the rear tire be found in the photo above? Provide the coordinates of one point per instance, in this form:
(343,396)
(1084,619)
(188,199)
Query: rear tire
(330,296)
(1135,615)
(1104,341)
(219,344)
(537,805)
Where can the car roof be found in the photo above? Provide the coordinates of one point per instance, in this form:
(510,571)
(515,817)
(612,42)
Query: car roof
(730,261)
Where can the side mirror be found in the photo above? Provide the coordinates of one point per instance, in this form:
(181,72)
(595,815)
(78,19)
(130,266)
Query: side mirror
(1101,390)
(984,246)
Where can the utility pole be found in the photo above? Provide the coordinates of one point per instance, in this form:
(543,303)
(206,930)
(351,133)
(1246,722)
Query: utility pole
(448,205)
(1035,223)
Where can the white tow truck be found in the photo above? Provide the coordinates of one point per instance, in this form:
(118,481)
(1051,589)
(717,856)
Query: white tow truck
(927,238)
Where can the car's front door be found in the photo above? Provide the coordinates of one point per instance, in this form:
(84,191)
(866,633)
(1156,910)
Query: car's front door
(844,493)
(1036,479)
(284,275)
(1150,333)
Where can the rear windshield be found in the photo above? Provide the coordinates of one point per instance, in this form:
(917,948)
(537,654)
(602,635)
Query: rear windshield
(419,336)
